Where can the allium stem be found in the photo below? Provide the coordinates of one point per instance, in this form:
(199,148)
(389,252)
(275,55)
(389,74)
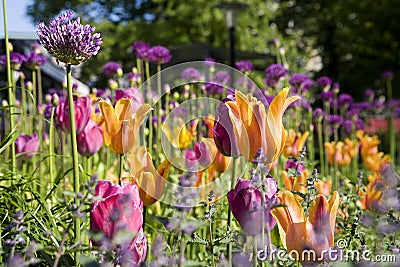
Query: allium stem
(321,147)
(74,149)
(9,84)
(35,101)
(39,86)
(51,148)
(159,107)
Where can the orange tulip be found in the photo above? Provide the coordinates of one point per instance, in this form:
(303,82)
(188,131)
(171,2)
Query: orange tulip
(299,233)
(297,184)
(120,128)
(371,196)
(255,128)
(341,153)
(151,182)
(324,187)
(372,158)
(294,143)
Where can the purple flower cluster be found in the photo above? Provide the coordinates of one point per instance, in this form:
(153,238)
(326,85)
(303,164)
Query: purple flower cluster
(324,82)
(111,68)
(190,74)
(216,86)
(35,60)
(334,120)
(387,75)
(326,95)
(141,49)
(69,41)
(16,59)
(344,100)
(300,81)
(274,73)
(244,66)
(159,54)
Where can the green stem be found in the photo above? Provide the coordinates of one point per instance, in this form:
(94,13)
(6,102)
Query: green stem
(211,238)
(74,149)
(34,92)
(233,179)
(120,163)
(336,174)
(10,88)
(255,251)
(321,147)
(392,137)
(51,148)
(39,86)
(158,110)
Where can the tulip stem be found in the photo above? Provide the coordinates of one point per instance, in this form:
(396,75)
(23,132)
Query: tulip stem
(75,163)
(233,178)
(255,251)
(120,162)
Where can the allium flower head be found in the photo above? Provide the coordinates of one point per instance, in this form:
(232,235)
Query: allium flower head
(35,60)
(16,59)
(387,75)
(324,81)
(244,66)
(159,54)
(69,41)
(111,68)
(190,74)
(274,73)
(141,49)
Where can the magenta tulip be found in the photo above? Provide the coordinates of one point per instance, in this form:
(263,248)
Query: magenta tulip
(224,135)
(83,110)
(132,94)
(28,145)
(120,211)
(90,139)
(245,203)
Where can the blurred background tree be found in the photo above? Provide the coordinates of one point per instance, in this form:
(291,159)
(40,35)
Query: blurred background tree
(354,40)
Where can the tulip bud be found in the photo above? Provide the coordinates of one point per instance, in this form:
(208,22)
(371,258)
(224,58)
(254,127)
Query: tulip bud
(27,144)
(90,139)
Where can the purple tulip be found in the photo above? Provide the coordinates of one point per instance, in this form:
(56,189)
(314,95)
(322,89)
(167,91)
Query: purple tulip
(224,135)
(27,144)
(133,94)
(245,203)
(90,139)
(83,110)
(159,54)
(120,211)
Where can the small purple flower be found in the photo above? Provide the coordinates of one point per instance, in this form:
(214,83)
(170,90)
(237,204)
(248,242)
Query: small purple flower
(324,82)
(296,80)
(326,96)
(292,164)
(274,73)
(190,74)
(27,144)
(318,114)
(210,62)
(344,100)
(334,120)
(360,124)
(394,103)
(35,60)
(111,68)
(387,75)
(244,66)
(222,77)
(141,48)
(369,94)
(303,102)
(347,126)
(16,59)
(69,41)
(159,54)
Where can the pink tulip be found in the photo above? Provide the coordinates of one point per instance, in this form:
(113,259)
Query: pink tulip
(90,139)
(245,203)
(27,144)
(120,211)
(83,110)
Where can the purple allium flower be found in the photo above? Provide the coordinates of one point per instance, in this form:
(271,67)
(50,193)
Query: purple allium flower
(35,60)
(69,41)
(360,124)
(111,68)
(296,80)
(369,94)
(318,114)
(244,66)
(190,74)
(360,106)
(353,113)
(334,120)
(159,54)
(347,126)
(324,81)
(222,77)
(394,103)
(210,61)
(344,100)
(387,75)
(141,48)
(379,103)
(216,86)
(274,73)
(326,96)
(244,81)
(16,59)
